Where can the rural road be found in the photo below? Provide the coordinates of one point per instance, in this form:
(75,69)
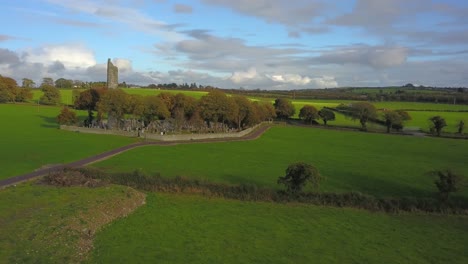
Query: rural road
(105,155)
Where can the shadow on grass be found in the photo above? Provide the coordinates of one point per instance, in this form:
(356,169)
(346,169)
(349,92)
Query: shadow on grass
(49,122)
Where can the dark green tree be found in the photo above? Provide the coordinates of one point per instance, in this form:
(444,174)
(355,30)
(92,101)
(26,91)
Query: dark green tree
(326,115)
(51,95)
(284,108)
(438,123)
(461,127)
(447,182)
(298,174)
(308,113)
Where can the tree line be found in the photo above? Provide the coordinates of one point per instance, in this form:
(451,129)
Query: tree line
(215,111)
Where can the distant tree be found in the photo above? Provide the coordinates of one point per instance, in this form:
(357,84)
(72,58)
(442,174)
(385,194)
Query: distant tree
(298,174)
(308,113)
(284,108)
(47,81)
(326,115)
(67,117)
(395,119)
(183,104)
(62,83)
(362,111)
(28,83)
(51,95)
(461,127)
(438,123)
(447,182)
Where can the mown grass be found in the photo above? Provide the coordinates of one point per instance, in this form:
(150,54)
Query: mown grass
(193,229)
(30,138)
(44,224)
(376,164)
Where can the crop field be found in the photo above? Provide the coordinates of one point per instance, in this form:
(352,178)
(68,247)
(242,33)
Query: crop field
(193,229)
(376,164)
(420,106)
(30,138)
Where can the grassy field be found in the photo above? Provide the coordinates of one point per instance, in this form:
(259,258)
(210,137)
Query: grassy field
(43,224)
(376,164)
(420,119)
(192,229)
(30,138)
(67,97)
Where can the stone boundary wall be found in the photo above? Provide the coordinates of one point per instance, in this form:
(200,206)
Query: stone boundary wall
(173,137)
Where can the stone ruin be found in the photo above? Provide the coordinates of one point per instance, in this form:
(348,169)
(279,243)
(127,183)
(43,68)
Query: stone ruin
(112,75)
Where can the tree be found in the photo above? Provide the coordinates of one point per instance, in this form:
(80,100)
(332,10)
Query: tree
(438,123)
(8,89)
(88,99)
(284,108)
(28,83)
(326,115)
(63,83)
(447,182)
(362,111)
(47,81)
(214,107)
(67,117)
(308,113)
(395,119)
(244,107)
(115,103)
(23,94)
(51,95)
(155,109)
(461,127)
(298,174)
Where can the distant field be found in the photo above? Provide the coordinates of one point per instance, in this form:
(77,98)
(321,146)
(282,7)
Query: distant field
(377,164)
(421,119)
(30,138)
(192,229)
(420,106)
(43,224)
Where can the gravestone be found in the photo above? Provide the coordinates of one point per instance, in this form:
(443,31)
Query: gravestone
(112,75)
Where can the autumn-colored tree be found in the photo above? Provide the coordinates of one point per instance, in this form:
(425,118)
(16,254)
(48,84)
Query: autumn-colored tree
(115,103)
(155,109)
(88,99)
(168,99)
(214,107)
(244,108)
(67,117)
(8,89)
(308,113)
(23,94)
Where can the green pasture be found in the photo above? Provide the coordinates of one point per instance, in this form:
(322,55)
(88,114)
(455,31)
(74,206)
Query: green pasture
(43,224)
(420,106)
(30,139)
(193,229)
(420,119)
(376,164)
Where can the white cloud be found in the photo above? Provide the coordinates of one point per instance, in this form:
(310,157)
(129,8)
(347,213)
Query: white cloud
(244,76)
(70,55)
(123,64)
(298,80)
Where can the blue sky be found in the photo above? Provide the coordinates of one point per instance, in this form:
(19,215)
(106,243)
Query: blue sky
(266,44)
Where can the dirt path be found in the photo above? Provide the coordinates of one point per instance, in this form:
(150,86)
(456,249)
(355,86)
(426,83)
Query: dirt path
(80,163)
